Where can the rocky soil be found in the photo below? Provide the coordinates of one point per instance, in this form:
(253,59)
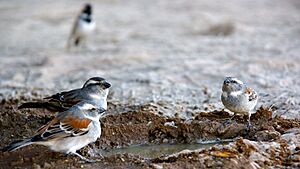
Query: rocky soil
(269,142)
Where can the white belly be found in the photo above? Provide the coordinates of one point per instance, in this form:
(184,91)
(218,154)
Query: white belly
(84,28)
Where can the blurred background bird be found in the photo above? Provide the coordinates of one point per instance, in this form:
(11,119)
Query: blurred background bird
(83,27)
(238,98)
(94,90)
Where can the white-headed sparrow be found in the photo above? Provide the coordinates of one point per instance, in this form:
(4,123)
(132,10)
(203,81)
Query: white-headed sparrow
(238,98)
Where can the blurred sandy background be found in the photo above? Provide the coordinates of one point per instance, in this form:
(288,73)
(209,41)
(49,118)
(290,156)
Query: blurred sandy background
(172,53)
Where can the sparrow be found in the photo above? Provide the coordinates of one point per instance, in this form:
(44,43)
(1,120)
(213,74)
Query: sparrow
(83,26)
(68,131)
(94,90)
(238,98)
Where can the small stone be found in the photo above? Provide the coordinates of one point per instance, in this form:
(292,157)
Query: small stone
(296,158)
(267,135)
(26,159)
(156,166)
(47,165)
(36,166)
(18,162)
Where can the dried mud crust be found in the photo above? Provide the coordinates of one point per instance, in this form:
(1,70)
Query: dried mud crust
(133,125)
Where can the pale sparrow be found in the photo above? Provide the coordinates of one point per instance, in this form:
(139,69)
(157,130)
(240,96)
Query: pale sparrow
(238,98)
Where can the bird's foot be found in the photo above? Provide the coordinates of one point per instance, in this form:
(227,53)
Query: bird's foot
(228,121)
(94,151)
(249,125)
(84,158)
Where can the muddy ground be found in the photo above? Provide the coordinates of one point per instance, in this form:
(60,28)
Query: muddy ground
(166,61)
(271,141)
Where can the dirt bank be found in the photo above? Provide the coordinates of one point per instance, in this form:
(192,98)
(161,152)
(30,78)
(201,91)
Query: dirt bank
(143,125)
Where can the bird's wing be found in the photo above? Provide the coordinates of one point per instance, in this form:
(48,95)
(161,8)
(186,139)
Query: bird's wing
(67,127)
(65,99)
(251,93)
(66,96)
(58,102)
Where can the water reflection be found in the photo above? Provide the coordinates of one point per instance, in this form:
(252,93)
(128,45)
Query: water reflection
(153,151)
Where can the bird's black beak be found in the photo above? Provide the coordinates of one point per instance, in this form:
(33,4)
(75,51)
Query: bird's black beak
(106,85)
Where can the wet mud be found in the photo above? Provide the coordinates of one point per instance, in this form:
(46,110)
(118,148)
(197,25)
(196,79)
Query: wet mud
(270,141)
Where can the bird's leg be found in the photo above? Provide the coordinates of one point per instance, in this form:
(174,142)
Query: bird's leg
(228,121)
(83,158)
(232,117)
(98,150)
(95,151)
(249,122)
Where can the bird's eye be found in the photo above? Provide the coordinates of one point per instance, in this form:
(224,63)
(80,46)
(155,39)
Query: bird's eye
(93,109)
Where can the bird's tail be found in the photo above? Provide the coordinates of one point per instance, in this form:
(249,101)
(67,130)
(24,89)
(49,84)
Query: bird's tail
(17,144)
(33,105)
(53,107)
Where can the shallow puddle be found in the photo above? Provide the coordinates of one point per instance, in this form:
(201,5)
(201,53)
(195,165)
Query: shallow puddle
(154,151)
